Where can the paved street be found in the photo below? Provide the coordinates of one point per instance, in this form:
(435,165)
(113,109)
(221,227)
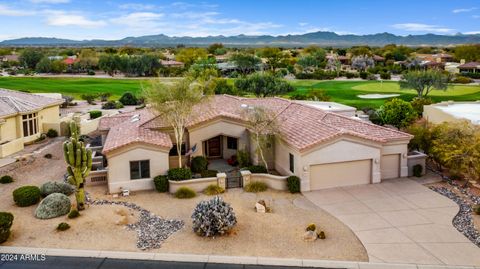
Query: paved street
(106,263)
(400,221)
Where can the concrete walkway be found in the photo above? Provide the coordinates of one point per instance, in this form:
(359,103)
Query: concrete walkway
(400,221)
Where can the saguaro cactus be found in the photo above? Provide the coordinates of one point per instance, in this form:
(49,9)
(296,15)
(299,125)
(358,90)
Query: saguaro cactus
(79,161)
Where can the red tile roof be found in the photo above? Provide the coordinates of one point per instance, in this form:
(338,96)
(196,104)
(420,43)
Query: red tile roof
(300,125)
(469,65)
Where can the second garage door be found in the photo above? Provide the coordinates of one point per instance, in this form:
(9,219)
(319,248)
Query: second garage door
(339,174)
(390,166)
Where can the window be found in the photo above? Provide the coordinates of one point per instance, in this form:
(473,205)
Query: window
(140,169)
(292,163)
(231,143)
(30,124)
(173,150)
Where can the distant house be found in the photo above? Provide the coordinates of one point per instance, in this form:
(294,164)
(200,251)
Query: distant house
(70,61)
(10,58)
(172,63)
(55,58)
(471,67)
(378,59)
(24,117)
(438,58)
(450,111)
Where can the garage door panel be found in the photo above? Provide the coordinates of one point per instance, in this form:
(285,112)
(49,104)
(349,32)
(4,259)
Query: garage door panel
(340,174)
(390,166)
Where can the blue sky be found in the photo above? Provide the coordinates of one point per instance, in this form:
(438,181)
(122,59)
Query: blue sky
(90,19)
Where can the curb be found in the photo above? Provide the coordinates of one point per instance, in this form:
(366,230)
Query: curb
(250,260)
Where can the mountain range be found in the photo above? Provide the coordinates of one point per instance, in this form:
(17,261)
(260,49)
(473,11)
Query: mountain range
(318,38)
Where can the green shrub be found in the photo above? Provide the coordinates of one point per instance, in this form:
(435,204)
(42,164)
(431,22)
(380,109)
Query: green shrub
(213,189)
(243,158)
(321,235)
(73,214)
(293,184)
(417,170)
(112,105)
(198,164)
(363,75)
(462,80)
(6,221)
(179,174)
(185,193)
(26,196)
(385,75)
(418,103)
(50,187)
(48,156)
(54,205)
(256,186)
(6,179)
(257,169)
(90,98)
(95,114)
(397,112)
(52,133)
(63,226)
(90,72)
(161,183)
(351,75)
(311,227)
(209,173)
(128,99)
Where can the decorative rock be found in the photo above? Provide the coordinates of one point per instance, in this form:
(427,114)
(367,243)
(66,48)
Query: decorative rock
(54,205)
(260,208)
(310,236)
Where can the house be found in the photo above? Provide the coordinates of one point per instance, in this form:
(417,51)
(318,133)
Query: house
(324,149)
(23,117)
(452,111)
(172,63)
(10,58)
(471,67)
(438,57)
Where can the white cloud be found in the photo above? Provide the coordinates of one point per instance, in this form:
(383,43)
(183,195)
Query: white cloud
(7,11)
(135,6)
(476,16)
(139,20)
(62,18)
(303,24)
(420,27)
(472,33)
(50,1)
(461,10)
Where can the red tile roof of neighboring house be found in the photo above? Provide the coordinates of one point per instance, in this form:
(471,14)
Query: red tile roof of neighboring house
(469,65)
(300,125)
(70,61)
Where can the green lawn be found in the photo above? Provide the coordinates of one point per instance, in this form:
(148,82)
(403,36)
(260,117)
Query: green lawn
(345,92)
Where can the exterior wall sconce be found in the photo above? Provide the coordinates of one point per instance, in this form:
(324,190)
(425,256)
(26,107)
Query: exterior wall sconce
(376,160)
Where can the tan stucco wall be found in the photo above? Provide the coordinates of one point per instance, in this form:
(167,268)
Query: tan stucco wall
(272,181)
(49,118)
(11,147)
(215,128)
(198,184)
(119,167)
(8,129)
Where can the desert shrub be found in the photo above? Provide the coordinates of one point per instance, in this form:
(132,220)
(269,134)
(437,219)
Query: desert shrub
(63,226)
(161,183)
(112,105)
(209,173)
(213,217)
(54,205)
(311,227)
(363,75)
(371,76)
(6,221)
(185,193)
(48,156)
(321,235)
(243,158)
(417,170)
(104,96)
(293,184)
(385,75)
(95,114)
(73,214)
(471,75)
(418,103)
(462,80)
(179,174)
(213,189)
(50,187)
(6,179)
(350,75)
(128,99)
(198,164)
(90,98)
(90,72)
(397,112)
(26,196)
(41,138)
(256,186)
(52,133)
(475,209)
(257,169)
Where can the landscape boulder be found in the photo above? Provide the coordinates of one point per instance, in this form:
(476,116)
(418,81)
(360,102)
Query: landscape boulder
(310,236)
(260,208)
(54,205)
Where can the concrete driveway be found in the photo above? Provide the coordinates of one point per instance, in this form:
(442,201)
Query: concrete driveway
(400,221)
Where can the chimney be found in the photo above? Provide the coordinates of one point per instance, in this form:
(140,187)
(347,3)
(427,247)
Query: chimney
(462,61)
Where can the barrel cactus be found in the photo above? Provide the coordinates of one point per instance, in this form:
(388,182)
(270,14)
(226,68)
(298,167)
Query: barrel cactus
(79,161)
(213,217)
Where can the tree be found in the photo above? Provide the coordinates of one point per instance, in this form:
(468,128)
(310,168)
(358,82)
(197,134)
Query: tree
(49,66)
(109,63)
(175,104)
(263,85)
(79,163)
(469,53)
(87,59)
(263,126)
(397,112)
(215,48)
(189,56)
(362,63)
(245,62)
(424,81)
(275,58)
(29,58)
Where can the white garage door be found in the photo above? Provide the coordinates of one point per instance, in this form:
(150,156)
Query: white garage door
(332,175)
(390,166)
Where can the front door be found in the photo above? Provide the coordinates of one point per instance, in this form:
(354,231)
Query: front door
(214,147)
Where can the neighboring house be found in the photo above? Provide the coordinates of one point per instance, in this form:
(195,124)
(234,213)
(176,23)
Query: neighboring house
(438,57)
(10,58)
(23,117)
(172,63)
(471,67)
(322,148)
(452,111)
